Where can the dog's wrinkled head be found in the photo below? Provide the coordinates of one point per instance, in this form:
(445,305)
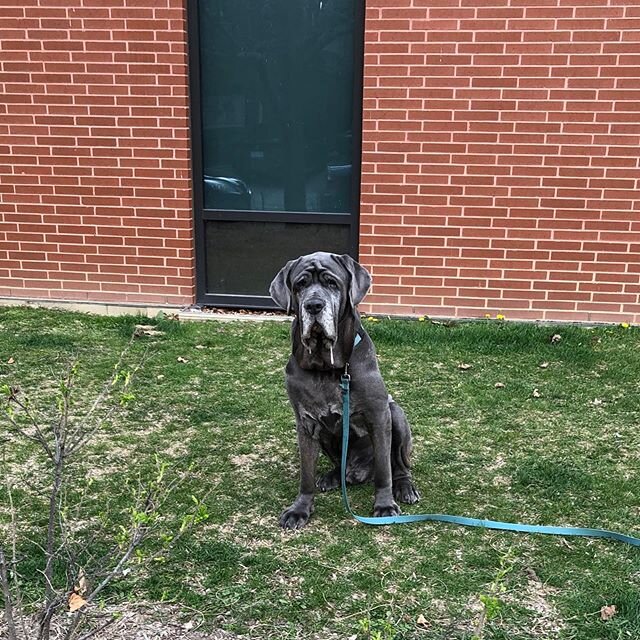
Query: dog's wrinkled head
(319,288)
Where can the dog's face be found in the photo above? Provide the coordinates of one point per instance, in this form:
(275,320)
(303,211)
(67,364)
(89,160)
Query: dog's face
(318,288)
(319,294)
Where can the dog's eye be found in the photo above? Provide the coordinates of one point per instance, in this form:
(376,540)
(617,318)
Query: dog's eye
(303,282)
(330,282)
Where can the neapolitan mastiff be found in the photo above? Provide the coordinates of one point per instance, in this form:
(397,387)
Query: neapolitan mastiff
(322,291)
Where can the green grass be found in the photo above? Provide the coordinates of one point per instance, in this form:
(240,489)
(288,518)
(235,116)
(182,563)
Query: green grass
(570,456)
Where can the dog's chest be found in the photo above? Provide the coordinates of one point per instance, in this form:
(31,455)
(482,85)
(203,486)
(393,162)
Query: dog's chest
(319,408)
(323,413)
(315,424)
(320,412)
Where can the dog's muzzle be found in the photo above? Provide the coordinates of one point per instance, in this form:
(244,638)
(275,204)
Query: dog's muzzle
(318,324)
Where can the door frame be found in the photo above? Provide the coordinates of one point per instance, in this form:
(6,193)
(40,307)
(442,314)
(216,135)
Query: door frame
(202,215)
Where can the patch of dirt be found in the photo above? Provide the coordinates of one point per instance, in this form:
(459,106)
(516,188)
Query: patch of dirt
(547,619)
(144,621)
(246,462)
(498,463)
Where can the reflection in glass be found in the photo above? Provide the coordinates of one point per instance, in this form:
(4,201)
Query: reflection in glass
(277,104)
(243,257)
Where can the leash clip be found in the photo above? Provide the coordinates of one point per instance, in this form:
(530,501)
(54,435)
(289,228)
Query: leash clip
(345,379)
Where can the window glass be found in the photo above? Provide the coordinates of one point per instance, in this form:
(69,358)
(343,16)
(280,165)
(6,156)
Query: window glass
(243,257)
(277,104)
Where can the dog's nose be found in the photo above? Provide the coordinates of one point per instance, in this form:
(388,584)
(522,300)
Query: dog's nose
(314,306)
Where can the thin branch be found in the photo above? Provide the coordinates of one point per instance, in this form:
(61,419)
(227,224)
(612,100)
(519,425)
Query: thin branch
(137,537)
(6,592)
(39,437)
(95,632)
(14,557)
(51,597)
(44,627)
(83,433)
(67,387)
(79,438)
(102,396)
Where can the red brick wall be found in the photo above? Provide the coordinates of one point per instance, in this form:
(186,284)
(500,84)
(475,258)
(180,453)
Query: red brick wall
(500,158)
(500,155)
(94,151)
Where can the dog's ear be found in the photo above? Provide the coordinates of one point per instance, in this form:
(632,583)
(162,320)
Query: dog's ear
(280,288)
(360,279)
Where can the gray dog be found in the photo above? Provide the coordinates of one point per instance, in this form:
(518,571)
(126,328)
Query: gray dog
(322,291)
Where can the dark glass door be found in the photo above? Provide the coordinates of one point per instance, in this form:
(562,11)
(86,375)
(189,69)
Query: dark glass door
(276,108)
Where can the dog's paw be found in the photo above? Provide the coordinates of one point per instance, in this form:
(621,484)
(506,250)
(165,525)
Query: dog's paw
(329,481)
(406,492)
(294,517)
(384,510)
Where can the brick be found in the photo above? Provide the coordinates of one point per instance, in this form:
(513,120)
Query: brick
(65,186)
(508,131)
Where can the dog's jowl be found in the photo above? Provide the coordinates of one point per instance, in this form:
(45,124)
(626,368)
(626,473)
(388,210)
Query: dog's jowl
(322,290)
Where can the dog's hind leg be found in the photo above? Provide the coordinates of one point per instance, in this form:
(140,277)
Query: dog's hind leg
(403,488)
(360,460)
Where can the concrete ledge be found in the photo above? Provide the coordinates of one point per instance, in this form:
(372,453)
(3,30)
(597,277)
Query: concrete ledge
(193,314)
(97,308)
(188,314)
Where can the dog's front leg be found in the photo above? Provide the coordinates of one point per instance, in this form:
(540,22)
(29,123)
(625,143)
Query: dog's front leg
(297,515)
(384,504)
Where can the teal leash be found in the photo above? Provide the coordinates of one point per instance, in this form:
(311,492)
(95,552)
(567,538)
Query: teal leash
(459,520)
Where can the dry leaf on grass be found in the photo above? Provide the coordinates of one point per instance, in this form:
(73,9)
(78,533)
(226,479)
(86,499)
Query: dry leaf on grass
(544,365)
(421,620)
(555,338)
(10,361)
(499,385)
(181,359)
(463,366)
(607,612)
(76,602)
(536,393)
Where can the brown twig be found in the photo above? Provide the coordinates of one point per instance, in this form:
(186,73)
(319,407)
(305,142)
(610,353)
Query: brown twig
(95,632)
(39,437)
(17,595)
(6,592)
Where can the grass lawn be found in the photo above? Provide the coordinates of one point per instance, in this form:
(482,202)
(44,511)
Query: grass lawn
(505,439)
